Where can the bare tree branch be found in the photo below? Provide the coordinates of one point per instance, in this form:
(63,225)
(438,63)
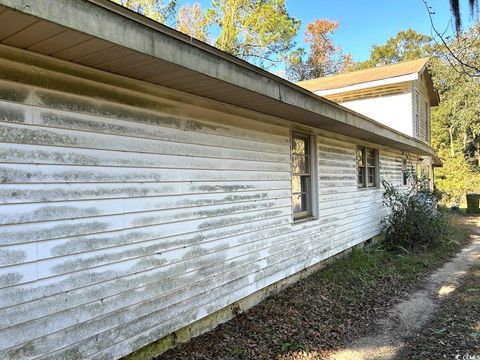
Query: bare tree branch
(454,59)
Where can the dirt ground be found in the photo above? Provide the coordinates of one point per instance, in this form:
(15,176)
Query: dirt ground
(389,334)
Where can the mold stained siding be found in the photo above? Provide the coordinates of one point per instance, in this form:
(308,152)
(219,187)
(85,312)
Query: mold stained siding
(121,224)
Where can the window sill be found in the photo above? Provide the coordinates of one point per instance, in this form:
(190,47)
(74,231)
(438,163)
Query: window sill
(304,219)
(368,188)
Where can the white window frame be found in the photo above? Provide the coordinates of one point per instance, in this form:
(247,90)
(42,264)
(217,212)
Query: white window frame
(311,190)
(364,168)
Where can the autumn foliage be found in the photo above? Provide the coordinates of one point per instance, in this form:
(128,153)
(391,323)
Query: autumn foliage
(323,57)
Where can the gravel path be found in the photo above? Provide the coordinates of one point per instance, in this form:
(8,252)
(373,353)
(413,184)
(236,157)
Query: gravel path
(407,317)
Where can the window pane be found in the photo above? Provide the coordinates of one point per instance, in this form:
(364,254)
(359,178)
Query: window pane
(300,164)
(300,184)
(360,176)
(304,202)
(299,146)
(370,157)
(296,184)
(371,176)
(299,203)
(296,203)
(360,157)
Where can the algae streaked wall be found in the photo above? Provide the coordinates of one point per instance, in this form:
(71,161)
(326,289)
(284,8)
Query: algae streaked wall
(129,211)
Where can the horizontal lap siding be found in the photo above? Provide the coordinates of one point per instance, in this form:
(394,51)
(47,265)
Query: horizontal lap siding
(108,220)
(358,211)
(120,224)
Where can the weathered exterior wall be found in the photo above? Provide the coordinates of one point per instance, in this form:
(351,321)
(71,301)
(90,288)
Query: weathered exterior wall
(129,211)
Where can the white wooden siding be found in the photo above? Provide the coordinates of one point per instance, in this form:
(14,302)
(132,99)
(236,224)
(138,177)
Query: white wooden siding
(393,110)
(421,87)
(120,224)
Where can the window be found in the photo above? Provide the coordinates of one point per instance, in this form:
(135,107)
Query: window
(371,167)
(417,114)
(302,175)
(367,167)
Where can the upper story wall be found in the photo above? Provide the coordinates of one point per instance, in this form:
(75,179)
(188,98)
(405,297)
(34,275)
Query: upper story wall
(421,107)
(394,111)
(402,106)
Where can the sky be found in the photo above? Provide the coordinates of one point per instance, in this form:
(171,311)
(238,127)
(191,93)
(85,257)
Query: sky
(364,23)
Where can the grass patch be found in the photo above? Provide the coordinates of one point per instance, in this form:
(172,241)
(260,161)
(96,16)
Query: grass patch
(375,271)
(456,328)
(324,311)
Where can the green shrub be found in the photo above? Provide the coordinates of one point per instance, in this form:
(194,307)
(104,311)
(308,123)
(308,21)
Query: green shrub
(413,221)
(455,179)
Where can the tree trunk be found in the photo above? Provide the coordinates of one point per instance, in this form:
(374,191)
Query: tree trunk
(452,150)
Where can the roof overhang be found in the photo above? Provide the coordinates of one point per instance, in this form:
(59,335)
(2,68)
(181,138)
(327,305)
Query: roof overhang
(103,35)
(369,84)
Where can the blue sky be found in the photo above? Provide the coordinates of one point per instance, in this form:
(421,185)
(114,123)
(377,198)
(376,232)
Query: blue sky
(364,23)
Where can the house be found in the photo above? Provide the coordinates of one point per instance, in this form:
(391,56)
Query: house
(399,96)
(152,186)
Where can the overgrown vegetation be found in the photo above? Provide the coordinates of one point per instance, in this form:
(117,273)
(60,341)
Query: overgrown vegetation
(324,311)
(413,221)
(456,122)
(456,329)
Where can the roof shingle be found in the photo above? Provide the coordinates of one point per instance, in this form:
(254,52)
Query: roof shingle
(362,76)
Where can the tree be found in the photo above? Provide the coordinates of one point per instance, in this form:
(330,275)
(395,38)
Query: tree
(456,121)
(406,45)
(259,31)
(158,10)
(192,21)
(324,57)
(459,111)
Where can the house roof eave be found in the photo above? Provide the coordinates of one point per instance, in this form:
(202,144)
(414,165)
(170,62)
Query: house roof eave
(217,75)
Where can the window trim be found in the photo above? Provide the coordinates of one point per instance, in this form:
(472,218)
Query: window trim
(311,193)
(365,167)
